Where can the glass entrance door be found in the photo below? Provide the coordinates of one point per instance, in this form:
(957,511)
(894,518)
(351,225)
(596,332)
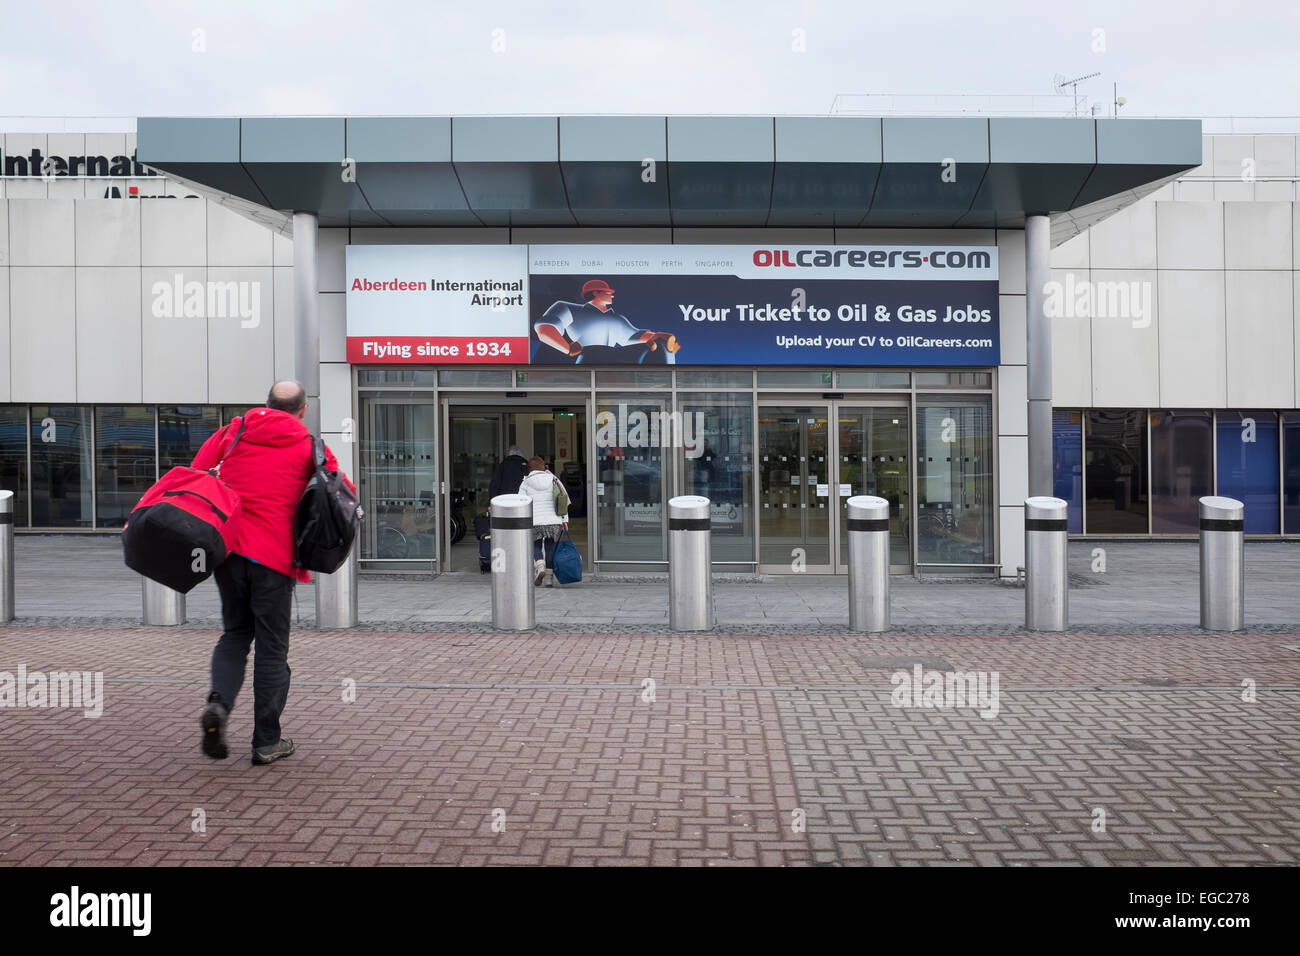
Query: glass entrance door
(872,453)
(475,446)
(397,477)
(794,488)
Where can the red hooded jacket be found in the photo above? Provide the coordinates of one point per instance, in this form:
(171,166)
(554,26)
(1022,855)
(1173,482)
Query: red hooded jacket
(269,470)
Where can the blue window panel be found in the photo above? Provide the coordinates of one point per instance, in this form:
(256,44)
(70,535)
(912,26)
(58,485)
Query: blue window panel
(1248,468)
(1067,465)
(1291,472)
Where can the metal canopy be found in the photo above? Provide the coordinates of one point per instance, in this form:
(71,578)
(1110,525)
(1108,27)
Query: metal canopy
(735,171)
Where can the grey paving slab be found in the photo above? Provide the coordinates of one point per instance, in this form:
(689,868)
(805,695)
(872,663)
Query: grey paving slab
(1145,585)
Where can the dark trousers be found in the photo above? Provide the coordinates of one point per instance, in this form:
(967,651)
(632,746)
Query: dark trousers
(256,606)
(544,550)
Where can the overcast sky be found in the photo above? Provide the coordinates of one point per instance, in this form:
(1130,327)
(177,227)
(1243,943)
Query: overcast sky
(132,58)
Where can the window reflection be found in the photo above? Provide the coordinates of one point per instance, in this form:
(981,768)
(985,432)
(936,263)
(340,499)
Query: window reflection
(1116,449)
(1182,450)
(719,464)
(955,508)
(61,466)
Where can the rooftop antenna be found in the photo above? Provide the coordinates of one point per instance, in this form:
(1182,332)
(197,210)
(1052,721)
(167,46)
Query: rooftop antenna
(1059,83)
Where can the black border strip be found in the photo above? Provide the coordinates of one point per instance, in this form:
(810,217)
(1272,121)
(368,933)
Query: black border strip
(1223,524)
(689,524)
(1047,524)
(510,524)
(868,524)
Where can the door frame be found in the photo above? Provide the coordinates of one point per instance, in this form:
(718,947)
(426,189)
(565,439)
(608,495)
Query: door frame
(905,401)
(795,403)
(798,406)
(366,408)
(490,404)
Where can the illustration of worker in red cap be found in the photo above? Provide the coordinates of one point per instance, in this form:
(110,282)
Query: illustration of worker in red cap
(569,327)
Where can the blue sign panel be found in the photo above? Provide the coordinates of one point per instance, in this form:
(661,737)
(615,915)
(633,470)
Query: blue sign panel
(741,306)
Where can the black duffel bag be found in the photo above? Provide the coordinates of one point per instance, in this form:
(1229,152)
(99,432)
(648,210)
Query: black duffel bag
(325,524)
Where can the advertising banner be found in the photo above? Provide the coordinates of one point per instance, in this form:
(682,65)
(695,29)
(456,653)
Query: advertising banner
(437,305)
(666,305)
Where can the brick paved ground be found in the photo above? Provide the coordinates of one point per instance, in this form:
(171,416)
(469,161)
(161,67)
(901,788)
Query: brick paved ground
(555,732)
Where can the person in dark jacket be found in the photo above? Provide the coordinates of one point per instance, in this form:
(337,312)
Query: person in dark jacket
(509,474)
(269,469)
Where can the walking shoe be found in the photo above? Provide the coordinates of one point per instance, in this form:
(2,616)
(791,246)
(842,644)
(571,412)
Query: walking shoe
(550,578)
(213,722)
(273,752)
(539,567)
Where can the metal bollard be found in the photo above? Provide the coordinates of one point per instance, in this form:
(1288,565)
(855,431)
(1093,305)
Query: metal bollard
(513,602)
(690,572)
(336,595)
(1046,583)
(1223,564)
(868,526)
(6,556)
(163,607)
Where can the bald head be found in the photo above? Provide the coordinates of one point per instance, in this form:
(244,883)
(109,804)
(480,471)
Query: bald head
(288,396)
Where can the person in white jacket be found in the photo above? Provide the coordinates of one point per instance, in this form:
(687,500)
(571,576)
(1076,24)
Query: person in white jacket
(540,485)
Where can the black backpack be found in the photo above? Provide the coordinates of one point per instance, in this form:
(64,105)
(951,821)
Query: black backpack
(325,524)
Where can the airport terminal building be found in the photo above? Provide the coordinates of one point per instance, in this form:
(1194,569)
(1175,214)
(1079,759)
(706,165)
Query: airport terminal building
(773,312)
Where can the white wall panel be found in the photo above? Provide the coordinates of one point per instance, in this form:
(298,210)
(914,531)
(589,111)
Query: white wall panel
(1012,531)
(1127,240)
(236,241)
(108,335)
(4,232)
(1071,254)
(1190,235)
(1261,342)
(1011,326)
(335,396)
(241,342)
(108,232)
(173,233)
(1230,152)
(1071,352)
(1193,370)
(61,188)
(1275,156)
(1013,400)
(332,314)
(331,271)
(1234,192)
(1125,365)
(175,351)
(43,334)
(283,279)
(42,232)
(1013,478)
(1277,191)
(1195,192)
(281,250)
(1011,261)
(1257,235)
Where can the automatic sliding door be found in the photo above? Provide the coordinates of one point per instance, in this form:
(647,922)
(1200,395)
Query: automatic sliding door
(873,460)
(397,477)
(955,509)
(795,491)
(631,434)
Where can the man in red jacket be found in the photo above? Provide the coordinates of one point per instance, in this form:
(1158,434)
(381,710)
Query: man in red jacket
(269,469)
